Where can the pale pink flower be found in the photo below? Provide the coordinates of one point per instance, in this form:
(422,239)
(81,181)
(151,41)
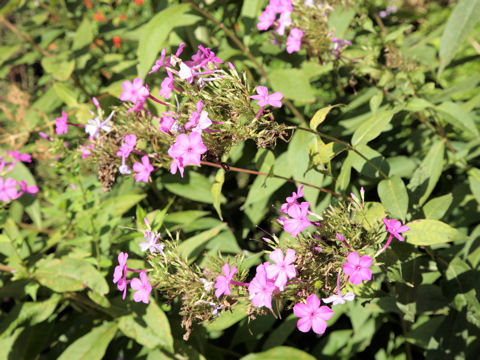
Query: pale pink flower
(142,288)
(167,86)
(358,268)
(337,299)
(283,269)
(312,315)
(187,150)
(266,19)
(291,200)
(261,288)
(134,91)
(222,285)
(120,273)
(264,99)
(298,220)
(284,21)
(143,169)
(193,120)
(8,190)
(128,145)
(151,244)
(61,126)
(294,40)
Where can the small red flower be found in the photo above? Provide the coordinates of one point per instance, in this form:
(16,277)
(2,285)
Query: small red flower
(99,16)
(139,2)
(88,4)
(117,40)
(122,17)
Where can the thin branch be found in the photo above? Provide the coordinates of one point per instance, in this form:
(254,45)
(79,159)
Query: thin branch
(26,37)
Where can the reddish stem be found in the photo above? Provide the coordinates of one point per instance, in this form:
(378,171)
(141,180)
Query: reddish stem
(239,283)
(78,125)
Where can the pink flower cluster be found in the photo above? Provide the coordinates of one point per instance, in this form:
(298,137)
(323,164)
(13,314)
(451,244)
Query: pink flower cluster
(297,212)
(284,9)
(10,189)
(141,285)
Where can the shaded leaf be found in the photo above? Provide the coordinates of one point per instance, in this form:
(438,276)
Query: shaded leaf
(292,83)
(430,232)
(372,127)
(394,197)
(280,353)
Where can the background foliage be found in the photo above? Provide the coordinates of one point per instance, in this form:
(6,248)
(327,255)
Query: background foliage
(410,105)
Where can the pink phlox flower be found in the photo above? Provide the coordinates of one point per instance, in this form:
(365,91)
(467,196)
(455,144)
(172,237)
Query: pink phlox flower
(96,103)
(284,21)
(95,125)
(204,122)
(298,220)
(20,157)
(142,288)
(267,18)
(8,190)
(294,40)
(143,169)
(358,268)
(167,121)
(167,86)
(24,188)
(177,164)
(180,49)
(395,227)
(128,145)
(61,126)
(120,273)
(283,269)
(261,288)
(137,107)
(312,315)
(282,6)
(193,119)
(160,62)
(222,284)
(86,150)
(134,91)
(188,148)
(264,99)
(291,200)
(209,55)
(151,244)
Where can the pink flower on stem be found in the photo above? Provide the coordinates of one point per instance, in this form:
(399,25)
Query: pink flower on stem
(283,269)
(8,190)
(160,62)
(61,126)
(264,99)
(394,227)
(186,150)
(142,288)
(128,145)
(261,288)
(342,239)
(20,157)
(193,120)
(266,19)
(298,220)
(134,91)
(24,188)
(151,244)
(337,299)
(312,315)
(358,268)
(284,21)
(291,200)
(143,169)
(120,273)
(222,285)
(167,86)
(294,40)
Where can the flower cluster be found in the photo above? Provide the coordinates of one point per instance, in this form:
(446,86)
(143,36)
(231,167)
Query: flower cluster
(10,189)
(141,285)
(297,212)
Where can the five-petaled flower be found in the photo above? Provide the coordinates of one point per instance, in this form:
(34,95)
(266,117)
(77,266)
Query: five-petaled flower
(120,273)
(283,269)
(134,91)
(358,268)
(143,169)
(264,98)
(142,288)
(312,315)
(61,126)
(222,285)
(186,150)
(261,288)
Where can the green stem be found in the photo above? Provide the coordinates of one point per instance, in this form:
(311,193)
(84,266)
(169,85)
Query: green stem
(347,145)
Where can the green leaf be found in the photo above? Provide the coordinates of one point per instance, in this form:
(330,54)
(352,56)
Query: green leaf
(84,35)
(394,197)
(462,20)
(92,345)
(343,179)
(437,207)
(68,274)
(217,191)
(156,31)
(119,205)
(474,182)
(372,127)
(457,116)
(292,83)
(297,154)
(150,330)
(427,174)
(58,66)
(320,116)
(228,318)
(429,232)
(67,95)
(190,248)
(193,186)
(280,353)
